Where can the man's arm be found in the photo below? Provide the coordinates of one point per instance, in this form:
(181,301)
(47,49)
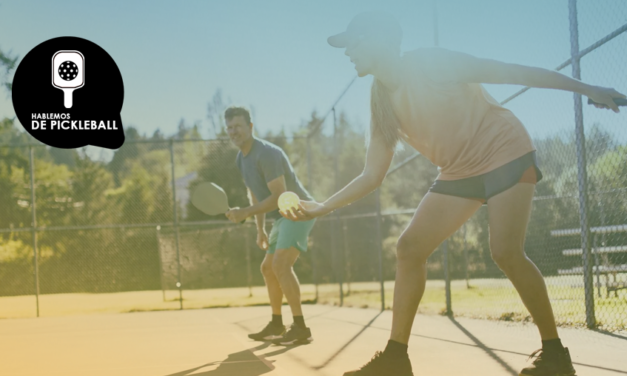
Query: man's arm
(276,186)
(261,217)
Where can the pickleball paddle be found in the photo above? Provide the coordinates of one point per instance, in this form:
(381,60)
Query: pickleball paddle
(618,101)
(210,199)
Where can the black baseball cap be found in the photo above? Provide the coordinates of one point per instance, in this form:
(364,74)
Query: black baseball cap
(367,24)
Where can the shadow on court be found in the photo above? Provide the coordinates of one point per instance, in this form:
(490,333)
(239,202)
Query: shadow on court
(335,355)
(485,348)
(242,363)
(624,337)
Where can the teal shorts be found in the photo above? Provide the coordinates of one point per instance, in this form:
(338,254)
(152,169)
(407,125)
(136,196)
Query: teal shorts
(286,234)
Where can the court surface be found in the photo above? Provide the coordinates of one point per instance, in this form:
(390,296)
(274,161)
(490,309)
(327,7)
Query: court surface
(213,342)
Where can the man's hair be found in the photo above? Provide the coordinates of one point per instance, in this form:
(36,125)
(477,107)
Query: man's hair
(233,111)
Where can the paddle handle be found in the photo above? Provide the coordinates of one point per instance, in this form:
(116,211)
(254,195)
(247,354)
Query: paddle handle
(618,101)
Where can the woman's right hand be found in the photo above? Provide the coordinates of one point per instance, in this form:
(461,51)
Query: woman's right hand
(604,97)
(262,240)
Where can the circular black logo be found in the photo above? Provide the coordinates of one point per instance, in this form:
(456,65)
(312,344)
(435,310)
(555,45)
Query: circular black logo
(68,93)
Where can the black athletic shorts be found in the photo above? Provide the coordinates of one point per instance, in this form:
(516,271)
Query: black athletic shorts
(482,187)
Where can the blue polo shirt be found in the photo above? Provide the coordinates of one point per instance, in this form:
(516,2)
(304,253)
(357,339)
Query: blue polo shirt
(264,163)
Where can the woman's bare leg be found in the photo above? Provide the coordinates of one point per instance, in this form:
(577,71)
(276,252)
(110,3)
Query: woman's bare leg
(509,214)
(438,216)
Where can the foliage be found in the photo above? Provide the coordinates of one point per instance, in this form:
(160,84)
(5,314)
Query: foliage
(135,188)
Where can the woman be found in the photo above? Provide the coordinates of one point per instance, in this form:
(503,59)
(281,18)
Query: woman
(432,99)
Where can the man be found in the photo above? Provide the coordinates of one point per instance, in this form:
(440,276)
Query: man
(267,173)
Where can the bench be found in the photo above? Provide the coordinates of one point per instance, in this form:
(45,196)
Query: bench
(606,269)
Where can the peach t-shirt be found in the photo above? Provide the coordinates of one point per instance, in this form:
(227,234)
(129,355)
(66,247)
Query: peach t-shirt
(459,127)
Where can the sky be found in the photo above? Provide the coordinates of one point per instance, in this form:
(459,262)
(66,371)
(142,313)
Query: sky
(272,56)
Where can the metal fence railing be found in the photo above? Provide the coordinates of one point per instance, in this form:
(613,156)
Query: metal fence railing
(71,225)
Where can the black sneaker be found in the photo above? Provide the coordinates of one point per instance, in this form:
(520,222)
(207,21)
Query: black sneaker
(384,365)
(294,336)
(554,365)
(271,331)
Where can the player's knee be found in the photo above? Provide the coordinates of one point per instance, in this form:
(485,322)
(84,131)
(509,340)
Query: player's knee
(266,268)
(281,266)
(409,250)
(507,257)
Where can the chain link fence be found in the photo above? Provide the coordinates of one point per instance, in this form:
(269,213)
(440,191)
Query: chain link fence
(88,236)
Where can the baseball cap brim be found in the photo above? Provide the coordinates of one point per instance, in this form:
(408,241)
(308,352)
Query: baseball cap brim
(379,24)
(340,40)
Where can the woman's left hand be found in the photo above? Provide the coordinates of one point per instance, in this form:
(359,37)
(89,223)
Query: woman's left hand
(604,97)
(306,211)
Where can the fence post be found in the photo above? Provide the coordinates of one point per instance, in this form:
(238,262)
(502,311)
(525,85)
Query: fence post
(447,278)
(380,245)
(314,270)
(466,254)
(158,235)
(176,227)
(334,243)
(248,270)
(582,174)
(34,225)
(347,256)
(603,244)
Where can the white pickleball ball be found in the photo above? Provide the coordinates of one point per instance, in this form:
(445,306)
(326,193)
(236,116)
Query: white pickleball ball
(288,200)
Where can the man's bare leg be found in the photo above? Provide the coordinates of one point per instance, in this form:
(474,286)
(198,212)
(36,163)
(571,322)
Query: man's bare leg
(272,284)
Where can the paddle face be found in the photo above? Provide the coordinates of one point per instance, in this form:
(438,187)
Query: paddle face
(210,199)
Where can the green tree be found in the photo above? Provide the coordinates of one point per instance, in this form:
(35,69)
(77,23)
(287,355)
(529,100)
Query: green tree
(136,197)
(7,66)
(14,180)
(92,186)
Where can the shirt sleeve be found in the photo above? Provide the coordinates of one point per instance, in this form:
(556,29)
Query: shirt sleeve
(272,165)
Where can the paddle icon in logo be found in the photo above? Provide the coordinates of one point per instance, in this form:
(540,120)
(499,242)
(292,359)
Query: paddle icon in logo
(68,73)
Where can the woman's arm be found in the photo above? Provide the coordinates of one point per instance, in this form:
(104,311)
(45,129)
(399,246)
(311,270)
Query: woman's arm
(378,160)
(461,67)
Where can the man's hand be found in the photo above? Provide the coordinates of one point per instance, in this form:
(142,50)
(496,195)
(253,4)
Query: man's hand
(262,240)
(237,215)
